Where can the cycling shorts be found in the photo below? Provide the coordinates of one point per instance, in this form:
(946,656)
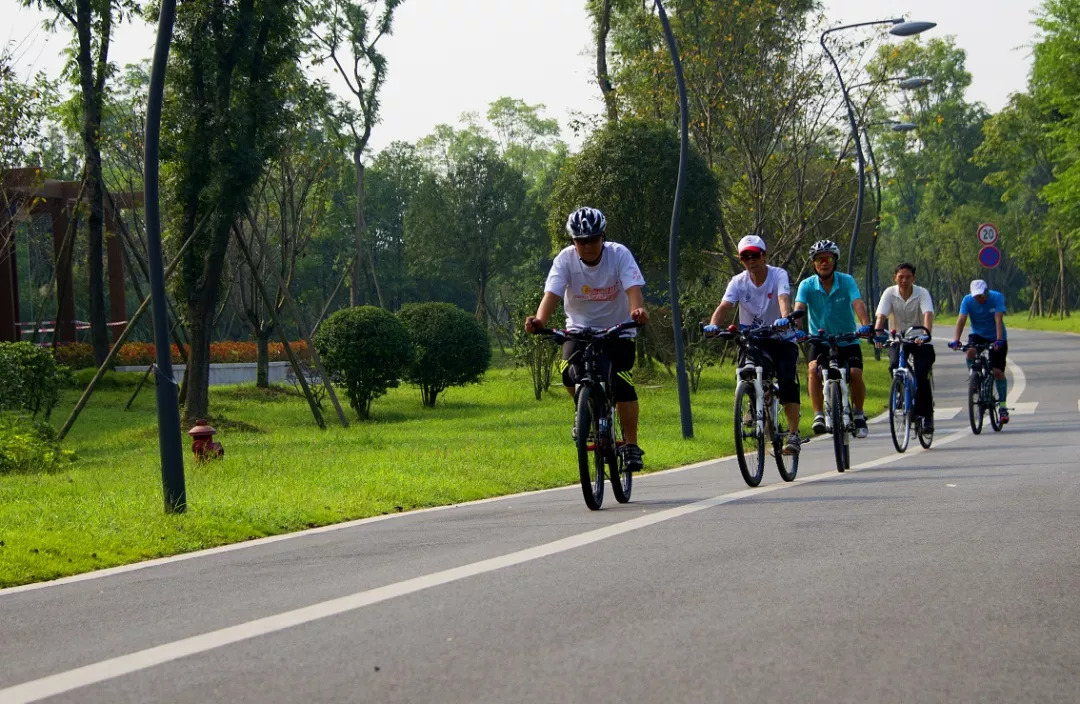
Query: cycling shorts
(785,363)
(852,354)
(620,354)
(998,356)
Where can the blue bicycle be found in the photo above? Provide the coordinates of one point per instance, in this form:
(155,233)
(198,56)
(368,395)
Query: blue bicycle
(902,415)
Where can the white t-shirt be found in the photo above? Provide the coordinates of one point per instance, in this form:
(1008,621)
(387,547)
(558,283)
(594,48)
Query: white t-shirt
(903,314)
(595,296)
(758,305)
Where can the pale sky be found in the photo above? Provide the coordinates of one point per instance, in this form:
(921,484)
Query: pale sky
(447,57)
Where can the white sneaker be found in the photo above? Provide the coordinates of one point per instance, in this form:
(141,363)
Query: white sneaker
(861,431)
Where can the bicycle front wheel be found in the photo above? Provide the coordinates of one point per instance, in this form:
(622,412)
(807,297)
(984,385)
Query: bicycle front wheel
(622,479)
(787,465)
(899,415)
(590,456)
(839,432)
(749,442)
(975,406)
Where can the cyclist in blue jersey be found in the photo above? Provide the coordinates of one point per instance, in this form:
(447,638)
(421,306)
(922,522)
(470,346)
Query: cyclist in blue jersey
(830,298)
(986,309)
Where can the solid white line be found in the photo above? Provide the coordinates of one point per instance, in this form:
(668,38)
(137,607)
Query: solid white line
(59,683)
(157,562)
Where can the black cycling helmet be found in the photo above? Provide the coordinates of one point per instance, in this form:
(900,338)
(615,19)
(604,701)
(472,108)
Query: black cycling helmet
(585,222)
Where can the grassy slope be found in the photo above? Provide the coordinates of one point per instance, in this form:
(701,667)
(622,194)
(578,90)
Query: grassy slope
(281,473)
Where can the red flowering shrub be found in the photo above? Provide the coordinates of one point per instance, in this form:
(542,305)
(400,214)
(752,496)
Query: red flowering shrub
(79,355)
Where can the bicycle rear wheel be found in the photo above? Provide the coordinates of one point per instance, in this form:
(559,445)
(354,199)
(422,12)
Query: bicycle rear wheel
(590,456)
(975,406)
(622,479)
(839,432)
(749,443)
(994,407)
(899,416)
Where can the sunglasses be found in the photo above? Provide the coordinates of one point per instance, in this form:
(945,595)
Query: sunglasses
(823,259)
(750,256)
(587,240)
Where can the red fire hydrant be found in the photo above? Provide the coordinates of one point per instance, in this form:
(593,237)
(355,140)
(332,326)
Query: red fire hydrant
(202,441)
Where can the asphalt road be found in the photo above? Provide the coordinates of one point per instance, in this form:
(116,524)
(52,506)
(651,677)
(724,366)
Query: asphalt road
(939,576)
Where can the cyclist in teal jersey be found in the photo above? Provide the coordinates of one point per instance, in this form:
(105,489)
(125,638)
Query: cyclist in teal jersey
(986,309)
(830,298)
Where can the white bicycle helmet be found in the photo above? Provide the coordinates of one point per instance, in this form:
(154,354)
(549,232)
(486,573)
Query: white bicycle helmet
(585,222)
(824,246)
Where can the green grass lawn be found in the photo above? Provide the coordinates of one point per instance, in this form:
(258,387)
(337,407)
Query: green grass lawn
(281,473)
(1050,324)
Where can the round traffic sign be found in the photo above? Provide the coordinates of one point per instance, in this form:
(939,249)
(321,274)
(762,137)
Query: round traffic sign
(987,233)
(989,256)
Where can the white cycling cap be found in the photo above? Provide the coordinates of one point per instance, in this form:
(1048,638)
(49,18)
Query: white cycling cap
(751,243)
(978,287)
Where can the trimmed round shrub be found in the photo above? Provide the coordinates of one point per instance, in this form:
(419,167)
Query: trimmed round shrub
(30,378)
(450,348)
(366,350)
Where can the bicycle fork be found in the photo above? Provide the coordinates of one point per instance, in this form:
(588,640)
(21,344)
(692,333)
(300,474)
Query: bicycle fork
(845,414)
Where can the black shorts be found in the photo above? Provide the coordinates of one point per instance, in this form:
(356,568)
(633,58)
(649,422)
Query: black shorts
(785,362)
(620,352)
(998,356)
(852,354)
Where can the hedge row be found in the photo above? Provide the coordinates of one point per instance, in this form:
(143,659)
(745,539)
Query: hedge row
(79,355)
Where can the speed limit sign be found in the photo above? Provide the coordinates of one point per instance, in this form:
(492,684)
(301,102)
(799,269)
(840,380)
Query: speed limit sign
(987,233)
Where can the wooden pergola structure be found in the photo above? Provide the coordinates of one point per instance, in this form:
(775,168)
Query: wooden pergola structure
(26,192)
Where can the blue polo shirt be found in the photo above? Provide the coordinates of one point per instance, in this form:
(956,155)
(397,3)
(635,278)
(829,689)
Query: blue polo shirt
(830,311)
(981,315)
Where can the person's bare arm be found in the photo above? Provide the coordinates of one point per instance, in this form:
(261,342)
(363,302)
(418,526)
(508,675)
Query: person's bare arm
(543,312)
(637,305)
(722,313)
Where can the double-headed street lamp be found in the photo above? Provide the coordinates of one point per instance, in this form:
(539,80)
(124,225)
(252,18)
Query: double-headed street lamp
(900,28)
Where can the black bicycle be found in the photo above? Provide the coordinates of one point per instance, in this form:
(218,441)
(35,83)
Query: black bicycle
(839,418)
(902,417)
(982,391)
(597,428)
(758,420)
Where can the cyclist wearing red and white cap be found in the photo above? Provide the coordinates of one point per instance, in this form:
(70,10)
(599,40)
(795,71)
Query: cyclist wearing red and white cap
(763,295)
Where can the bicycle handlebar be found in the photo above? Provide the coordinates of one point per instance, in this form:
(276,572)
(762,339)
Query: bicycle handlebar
(907,336)
(734,332)
(588,334)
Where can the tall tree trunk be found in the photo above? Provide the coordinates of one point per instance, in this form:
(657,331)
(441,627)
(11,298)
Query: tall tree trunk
(361,227)
(92,84)
(262,357)
(197,374)
(603,27)
(1063,306)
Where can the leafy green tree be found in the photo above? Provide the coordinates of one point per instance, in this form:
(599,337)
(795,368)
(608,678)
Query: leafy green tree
(629,171)
(367,349)
(224,117)
(468,224)
(450,348)
(91,22)
(392,180)
(30,378)
(347,33)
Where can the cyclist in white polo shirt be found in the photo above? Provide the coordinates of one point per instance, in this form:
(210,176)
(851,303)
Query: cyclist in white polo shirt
(763,294)
(902,306)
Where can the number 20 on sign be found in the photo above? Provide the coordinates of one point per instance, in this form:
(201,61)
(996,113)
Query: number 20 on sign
(987,233)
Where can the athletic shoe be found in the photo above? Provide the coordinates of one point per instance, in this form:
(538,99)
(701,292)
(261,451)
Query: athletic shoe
(631,457)
(791,447)
(861,431)
(819,424)
(1003,414)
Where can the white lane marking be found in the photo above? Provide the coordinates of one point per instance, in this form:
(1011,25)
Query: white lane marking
(1012,401)
(94,673)
(157,562)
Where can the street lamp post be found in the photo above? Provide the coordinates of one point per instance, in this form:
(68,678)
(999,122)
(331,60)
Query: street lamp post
(899,28)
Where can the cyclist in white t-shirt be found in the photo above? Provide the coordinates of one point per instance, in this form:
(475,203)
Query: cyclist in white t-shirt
(902,306)
(763,294)
(600,285)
